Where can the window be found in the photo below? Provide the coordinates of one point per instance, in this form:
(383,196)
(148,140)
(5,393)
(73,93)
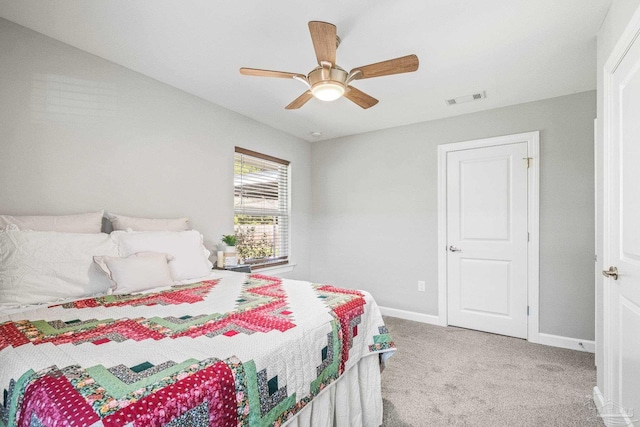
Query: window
(261,208)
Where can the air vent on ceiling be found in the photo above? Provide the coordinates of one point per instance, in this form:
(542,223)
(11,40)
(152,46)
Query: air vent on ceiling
(466,98)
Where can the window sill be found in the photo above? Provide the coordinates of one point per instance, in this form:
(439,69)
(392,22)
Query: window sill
(278,269)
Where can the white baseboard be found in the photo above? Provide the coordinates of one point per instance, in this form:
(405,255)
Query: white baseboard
(598,400)
(545,339)
(411,315)
(565,342)
(612,415)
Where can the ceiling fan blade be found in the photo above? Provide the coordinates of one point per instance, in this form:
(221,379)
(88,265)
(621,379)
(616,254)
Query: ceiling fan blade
(300,101)
(324,37)
(404,64)
(270,73)
(360,98)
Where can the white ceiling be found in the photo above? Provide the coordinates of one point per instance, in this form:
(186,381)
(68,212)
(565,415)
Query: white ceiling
(515,50)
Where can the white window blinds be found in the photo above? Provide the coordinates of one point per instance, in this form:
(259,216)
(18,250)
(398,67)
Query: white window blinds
(261,208)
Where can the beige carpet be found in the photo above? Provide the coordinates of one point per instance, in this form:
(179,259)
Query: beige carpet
(451,376)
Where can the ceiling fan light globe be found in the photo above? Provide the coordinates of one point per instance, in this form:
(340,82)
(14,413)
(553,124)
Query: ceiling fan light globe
(327,91)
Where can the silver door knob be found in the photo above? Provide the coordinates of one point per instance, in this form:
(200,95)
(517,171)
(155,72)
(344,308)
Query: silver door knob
(454,249)
(611,272)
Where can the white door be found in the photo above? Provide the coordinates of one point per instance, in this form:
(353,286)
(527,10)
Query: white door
(487,239)
(622,235)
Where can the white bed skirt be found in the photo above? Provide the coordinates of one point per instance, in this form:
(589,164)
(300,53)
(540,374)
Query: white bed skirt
(352,401)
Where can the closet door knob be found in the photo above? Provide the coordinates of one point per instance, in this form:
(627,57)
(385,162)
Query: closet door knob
(611,272)
(454,249)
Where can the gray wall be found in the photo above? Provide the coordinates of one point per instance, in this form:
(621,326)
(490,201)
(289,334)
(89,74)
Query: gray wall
(374,223)
(79,133)
(612,28)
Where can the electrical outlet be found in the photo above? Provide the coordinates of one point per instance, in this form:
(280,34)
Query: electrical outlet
(421,286)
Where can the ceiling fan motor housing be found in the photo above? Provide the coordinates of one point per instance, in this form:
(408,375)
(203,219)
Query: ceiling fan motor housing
(328,87)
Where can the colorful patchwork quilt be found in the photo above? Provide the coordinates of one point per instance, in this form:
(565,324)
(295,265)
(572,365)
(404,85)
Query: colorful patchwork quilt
(237,350)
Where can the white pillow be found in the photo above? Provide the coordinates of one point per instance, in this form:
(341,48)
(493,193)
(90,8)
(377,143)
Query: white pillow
(121,222)
(191,258)
(137,272)
(39,267)
(80,223)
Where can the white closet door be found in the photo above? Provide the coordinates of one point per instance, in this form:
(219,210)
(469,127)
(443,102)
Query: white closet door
(487,239)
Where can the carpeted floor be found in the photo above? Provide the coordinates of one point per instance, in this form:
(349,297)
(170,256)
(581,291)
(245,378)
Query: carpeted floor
(451,376)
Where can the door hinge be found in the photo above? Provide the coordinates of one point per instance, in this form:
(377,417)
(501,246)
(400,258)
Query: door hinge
(528,160)
(527,310)
(528,237)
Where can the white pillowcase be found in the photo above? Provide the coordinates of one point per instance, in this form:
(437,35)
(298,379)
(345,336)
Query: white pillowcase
(80,223)
(121,222)
(137,272)
(191,258)
(43,267)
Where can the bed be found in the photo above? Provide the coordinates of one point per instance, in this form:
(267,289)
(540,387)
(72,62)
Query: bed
(227,349)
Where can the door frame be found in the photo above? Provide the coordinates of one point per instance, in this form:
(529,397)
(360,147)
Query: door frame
(533,222)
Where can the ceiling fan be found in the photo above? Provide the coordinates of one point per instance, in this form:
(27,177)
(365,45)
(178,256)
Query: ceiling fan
(328,81)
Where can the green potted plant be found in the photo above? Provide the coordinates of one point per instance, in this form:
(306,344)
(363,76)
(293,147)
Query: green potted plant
(230,255)
(229,240)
